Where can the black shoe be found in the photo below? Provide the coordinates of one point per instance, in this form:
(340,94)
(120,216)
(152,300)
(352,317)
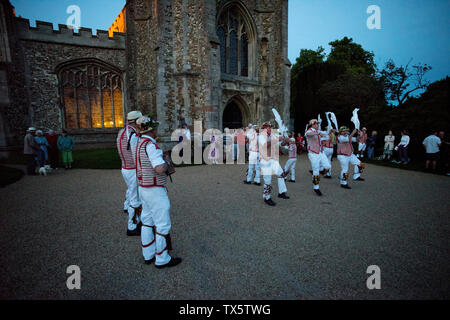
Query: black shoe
(359,179)
(293,181)
(135,232)
(150,261)
(318,192)
(270,202)
(246,182)
(172,263)
(283,196)
(345,186)
(125,211)
(310,171)
(257,183)
(327,177)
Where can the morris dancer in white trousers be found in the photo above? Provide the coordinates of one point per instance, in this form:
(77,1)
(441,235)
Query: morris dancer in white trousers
(362,141)
(152,178)
(270,165)
(253,158)
(126,140)
(327,144)
(290,164)
(318,159)
(346,157)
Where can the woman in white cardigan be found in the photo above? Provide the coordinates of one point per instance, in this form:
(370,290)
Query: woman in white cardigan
(388,145)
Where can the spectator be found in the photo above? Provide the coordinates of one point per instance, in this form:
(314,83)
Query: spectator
(388,145)
(53,153)
(65,145)
(300,140)
(30,150)
(444,156)
(402,148)
(371,142)
(431,145)
(42,142)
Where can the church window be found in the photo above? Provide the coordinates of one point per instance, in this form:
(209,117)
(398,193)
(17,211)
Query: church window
(91,96)
(234,42)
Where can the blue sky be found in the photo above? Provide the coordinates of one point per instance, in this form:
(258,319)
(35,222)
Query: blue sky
(418,29)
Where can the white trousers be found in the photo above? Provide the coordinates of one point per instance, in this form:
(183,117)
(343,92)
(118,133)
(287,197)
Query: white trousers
(329,153)
(131,196)
(345,161)
(290,165)
(253,164)
(269,168)
(319,162)
(155,213)
(361,147)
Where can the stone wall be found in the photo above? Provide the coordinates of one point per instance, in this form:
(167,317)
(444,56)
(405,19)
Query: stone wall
(40,51)
(187,80)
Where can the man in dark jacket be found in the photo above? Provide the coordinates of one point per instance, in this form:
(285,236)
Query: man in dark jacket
(30,150)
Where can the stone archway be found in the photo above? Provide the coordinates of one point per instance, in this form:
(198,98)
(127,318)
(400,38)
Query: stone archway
(235,114)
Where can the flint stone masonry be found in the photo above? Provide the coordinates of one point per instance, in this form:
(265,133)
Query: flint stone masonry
(169,59)
(187,83)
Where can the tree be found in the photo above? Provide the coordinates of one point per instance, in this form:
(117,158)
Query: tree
(307,57)
(401,82)
(348,91)
(305,99)
(352,56)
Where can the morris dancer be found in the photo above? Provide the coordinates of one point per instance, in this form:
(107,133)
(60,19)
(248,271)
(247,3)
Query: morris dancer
(318,159)
(152,178)
(327,143)
(127,138)
(362,142)
(290,164)
(346,157)
(253,157)
(270,165)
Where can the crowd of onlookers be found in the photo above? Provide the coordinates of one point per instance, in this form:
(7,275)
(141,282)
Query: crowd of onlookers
(436,147)
(42,151)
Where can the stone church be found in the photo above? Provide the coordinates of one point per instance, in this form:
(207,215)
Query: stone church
(222,62)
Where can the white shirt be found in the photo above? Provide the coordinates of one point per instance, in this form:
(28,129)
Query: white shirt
(154,155)
(404,141)
(345,138)
(432,143)
(389,142)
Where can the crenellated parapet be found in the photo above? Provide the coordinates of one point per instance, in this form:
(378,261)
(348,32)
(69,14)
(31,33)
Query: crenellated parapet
(44,32)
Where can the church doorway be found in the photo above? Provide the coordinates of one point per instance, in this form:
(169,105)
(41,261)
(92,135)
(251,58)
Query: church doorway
(232,116)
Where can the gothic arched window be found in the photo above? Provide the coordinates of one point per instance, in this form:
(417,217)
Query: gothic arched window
(234,42)
(91,95)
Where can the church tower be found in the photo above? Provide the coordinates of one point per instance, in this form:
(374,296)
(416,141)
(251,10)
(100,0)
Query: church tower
(222,62)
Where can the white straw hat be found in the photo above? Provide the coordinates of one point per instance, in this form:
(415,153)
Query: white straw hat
(133,115)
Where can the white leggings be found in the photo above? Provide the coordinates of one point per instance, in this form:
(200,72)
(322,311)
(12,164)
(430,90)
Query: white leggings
(345,161)
(269,168)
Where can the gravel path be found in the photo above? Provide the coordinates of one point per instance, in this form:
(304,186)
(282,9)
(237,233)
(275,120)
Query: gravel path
(233,246)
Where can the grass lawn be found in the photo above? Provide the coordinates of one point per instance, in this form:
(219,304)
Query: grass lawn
(9,175)
(106,158)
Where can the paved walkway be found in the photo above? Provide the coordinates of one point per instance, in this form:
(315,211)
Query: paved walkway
(233,246)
